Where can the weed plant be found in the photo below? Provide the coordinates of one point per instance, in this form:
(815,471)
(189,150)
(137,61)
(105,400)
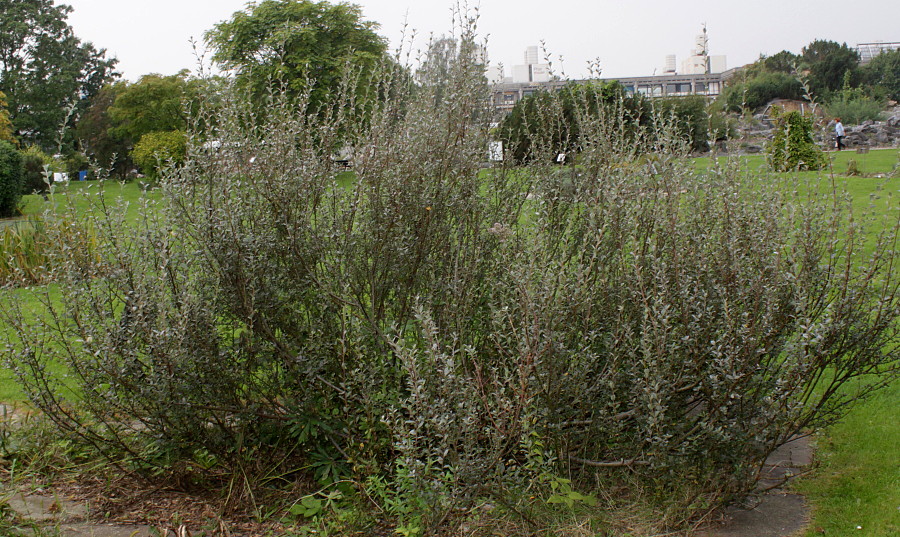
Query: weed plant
(434,332)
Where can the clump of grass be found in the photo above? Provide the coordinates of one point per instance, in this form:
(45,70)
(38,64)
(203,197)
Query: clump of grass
(30,248)
(23,257)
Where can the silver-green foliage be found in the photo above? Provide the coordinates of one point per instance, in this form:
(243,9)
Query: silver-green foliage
(420,324)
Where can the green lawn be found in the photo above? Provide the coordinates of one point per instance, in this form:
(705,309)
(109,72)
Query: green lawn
(114,192)
(879,161)
(857,481)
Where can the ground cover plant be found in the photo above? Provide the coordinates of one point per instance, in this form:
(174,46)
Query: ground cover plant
(426,336)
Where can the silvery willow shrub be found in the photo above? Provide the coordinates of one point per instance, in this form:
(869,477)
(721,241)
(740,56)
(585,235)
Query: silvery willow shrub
(428,330)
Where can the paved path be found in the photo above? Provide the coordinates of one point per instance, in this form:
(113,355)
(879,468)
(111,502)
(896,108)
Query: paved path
(775,512)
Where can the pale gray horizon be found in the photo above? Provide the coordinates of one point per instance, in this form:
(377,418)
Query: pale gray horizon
(628,38)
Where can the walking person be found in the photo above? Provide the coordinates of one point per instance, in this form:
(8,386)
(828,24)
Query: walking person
(839,134)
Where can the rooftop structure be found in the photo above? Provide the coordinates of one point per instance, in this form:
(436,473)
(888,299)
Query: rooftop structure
(700,61)
(867,51)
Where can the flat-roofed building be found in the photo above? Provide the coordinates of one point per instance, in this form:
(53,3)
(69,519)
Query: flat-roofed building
(505,96)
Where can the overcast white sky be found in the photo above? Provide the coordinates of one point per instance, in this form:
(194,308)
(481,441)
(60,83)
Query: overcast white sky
(630,37)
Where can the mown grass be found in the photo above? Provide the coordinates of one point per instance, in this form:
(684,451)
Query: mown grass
(113,192)
(855,490)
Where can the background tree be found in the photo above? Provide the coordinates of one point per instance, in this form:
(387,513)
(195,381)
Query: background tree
(157,149)
(298,43)
(884,72)
(47,73)
(754,92)
(155,103)
(827,62)
(783,62)
(93,131)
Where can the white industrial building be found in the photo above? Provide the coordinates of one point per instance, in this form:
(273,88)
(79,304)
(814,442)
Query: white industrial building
(700,62)
(532,71)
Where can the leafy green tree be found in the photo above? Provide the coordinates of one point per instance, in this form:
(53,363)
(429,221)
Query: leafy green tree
(47,73)
(93,131)
(304,45)
(884,72)
(10,179)
(827,62)
(154,103)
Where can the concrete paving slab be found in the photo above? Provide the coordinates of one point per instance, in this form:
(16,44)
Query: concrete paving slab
(776,515)
(100,530)
(47,508)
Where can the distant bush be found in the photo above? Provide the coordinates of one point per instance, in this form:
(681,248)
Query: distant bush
(558,121)
(564,121)
(759,90)
(33,162)
(157,149)
(11,179)
(792,147)
(855,110)
(696,120)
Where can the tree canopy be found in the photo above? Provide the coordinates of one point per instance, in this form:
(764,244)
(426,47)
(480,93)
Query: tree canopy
(47,73)
(155,103)
(827,68)
(121,114)
(884,71)
(827,63)
(296,43)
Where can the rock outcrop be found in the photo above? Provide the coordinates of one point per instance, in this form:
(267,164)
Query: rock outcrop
(874,133)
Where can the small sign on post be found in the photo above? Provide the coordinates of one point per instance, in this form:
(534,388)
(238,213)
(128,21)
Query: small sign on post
(495,151)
